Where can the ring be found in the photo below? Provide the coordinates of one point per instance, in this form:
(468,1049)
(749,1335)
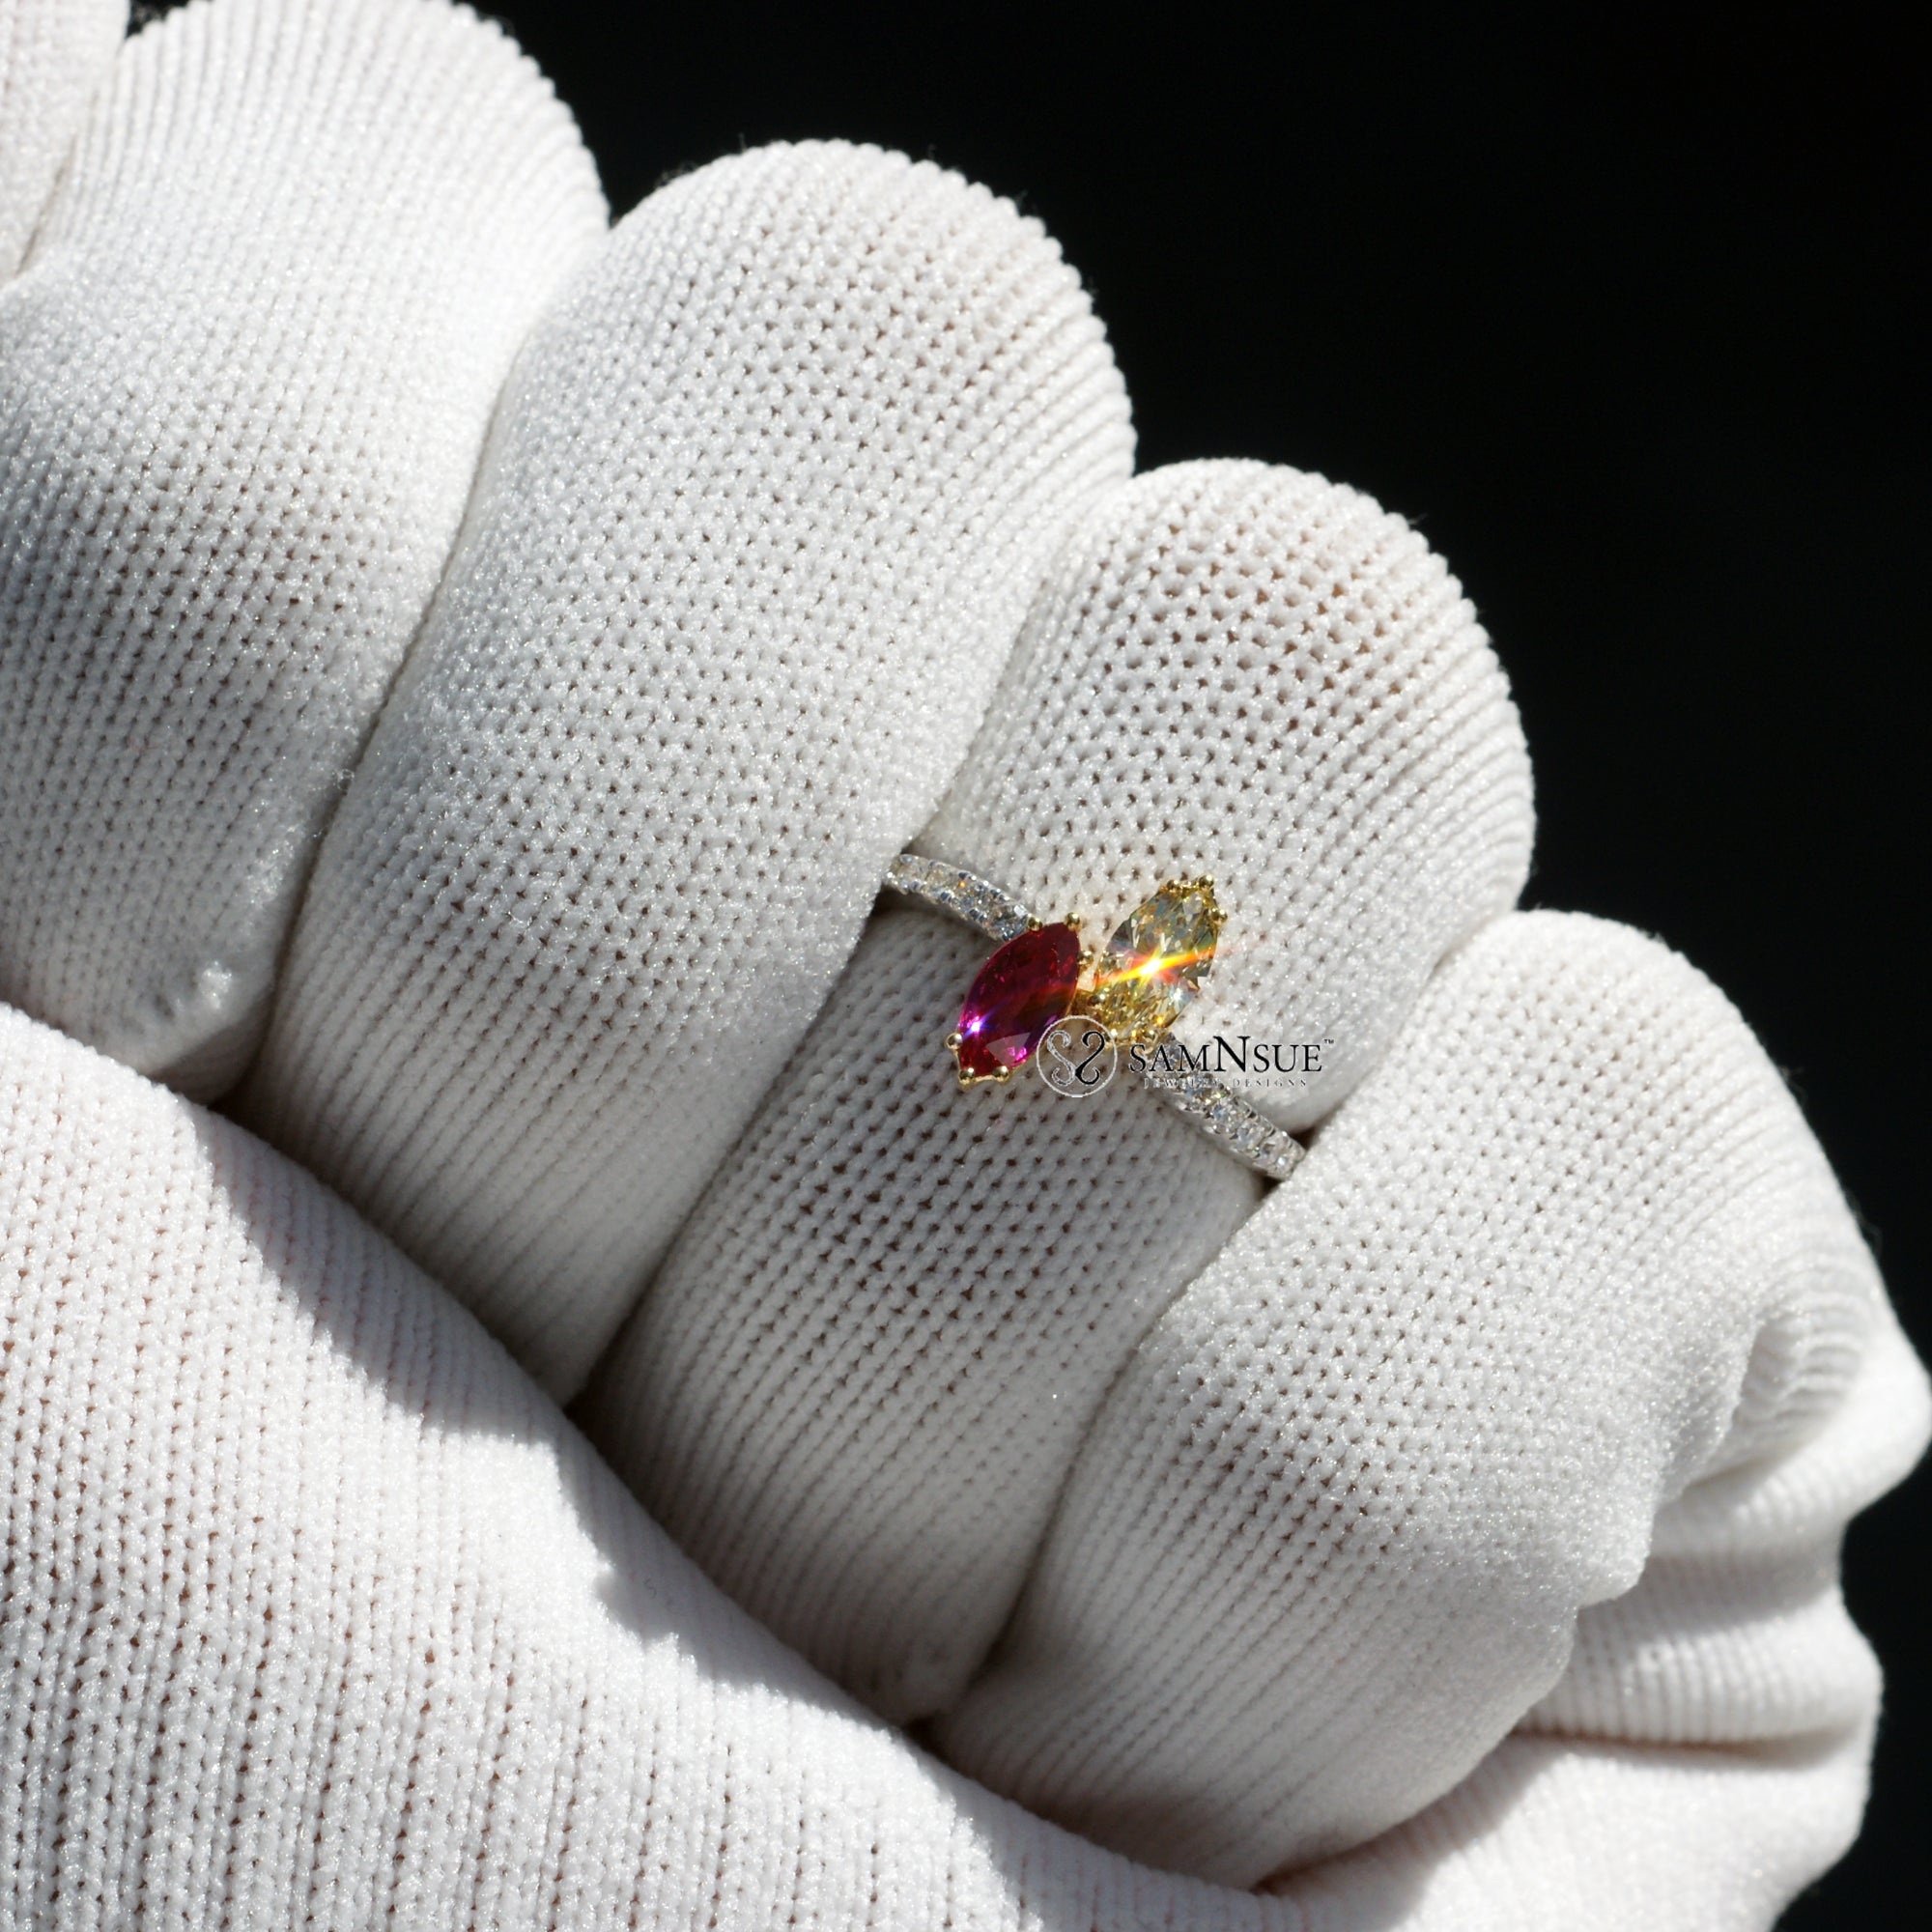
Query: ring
(1149,971)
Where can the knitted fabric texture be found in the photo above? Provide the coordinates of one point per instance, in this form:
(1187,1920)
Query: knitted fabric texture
(243,382)
(487,660)
(771,490)
(314,1611)
(1232,669)
(53,54)
(1536,1286)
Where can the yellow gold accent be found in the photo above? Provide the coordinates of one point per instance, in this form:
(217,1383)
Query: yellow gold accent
(968,1081)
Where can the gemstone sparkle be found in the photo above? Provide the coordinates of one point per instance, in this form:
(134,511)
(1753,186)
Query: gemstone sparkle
(1154,963)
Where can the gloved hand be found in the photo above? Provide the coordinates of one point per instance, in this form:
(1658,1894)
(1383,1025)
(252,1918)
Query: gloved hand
(463,676)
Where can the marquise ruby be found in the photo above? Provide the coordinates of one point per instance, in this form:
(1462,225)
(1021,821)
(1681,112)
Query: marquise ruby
(1021,991)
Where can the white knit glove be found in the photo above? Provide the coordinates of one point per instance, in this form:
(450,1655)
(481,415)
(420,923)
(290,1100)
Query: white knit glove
(463,676)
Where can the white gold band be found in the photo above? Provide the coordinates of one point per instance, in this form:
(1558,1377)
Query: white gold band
(1220,1113)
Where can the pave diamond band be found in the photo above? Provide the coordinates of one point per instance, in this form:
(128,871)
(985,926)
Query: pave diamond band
(1221,1114)
(981,903)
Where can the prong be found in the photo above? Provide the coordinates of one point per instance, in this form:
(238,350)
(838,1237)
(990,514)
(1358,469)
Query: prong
(968,1081)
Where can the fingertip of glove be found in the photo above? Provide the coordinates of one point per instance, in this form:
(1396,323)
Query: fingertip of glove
(960,224)
(1243,670)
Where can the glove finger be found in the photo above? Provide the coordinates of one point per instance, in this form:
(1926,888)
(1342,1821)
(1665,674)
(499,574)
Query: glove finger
(1738,1631)
(768,493)
(53,54)
(1604,1838)
(242,388)
(1569,1252)
(859,1384)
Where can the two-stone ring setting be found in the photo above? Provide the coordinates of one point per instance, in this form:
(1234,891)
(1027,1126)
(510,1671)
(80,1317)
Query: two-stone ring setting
(1133,988)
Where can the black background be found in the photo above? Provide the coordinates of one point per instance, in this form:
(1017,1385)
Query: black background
(1619,314)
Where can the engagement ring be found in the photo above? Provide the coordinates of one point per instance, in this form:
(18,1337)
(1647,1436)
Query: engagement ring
(1133,989)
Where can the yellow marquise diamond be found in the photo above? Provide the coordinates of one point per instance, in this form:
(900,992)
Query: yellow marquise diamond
(1154,963)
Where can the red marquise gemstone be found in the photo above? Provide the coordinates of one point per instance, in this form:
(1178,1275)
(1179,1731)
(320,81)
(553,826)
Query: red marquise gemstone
(1021,990)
